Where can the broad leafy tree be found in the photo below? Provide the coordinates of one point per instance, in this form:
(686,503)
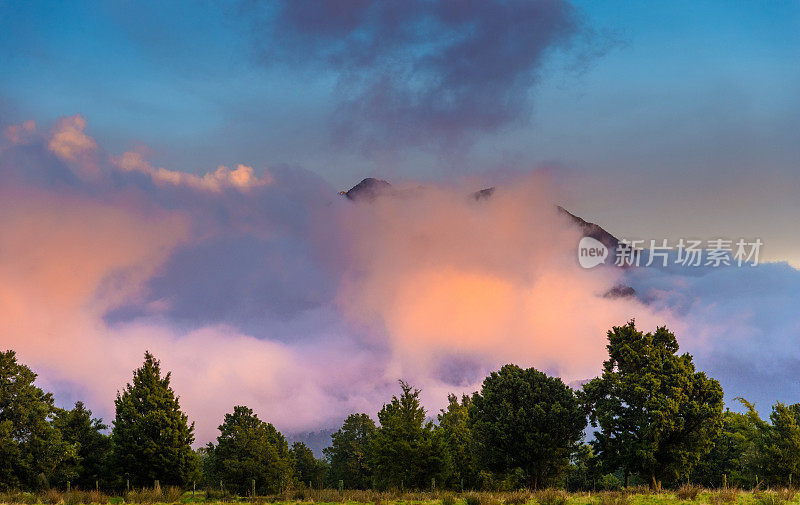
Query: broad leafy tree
(656,415)
(32,452)
(455,438)
(152,437)
(250,449)
(735,454)
(92,446)
(348,454)
(523,419)
(404,452)
(308,469)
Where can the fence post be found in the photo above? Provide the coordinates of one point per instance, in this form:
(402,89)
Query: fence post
(157,485)
(194,485)
(69,485)
(724,481)
(341,485)
(127,485)
(433,485)
(253,483)
(97,485)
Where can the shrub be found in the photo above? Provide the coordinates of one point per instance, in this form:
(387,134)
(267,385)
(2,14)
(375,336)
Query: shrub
(517,498)
(472,499)
(728,495)
(688,491)
(769,498)
(613,498)
(448,499)
(551,496)
(786,494)
(609,482)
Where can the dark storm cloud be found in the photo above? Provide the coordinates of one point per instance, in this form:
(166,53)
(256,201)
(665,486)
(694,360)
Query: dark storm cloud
(420,72)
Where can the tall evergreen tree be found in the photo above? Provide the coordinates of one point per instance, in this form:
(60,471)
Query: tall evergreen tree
(348,455)
(32,452)
(152,438)
(404,451)
(523,419)
(250,449)
(656,415)
(92,446)
(455,436)
(307,468)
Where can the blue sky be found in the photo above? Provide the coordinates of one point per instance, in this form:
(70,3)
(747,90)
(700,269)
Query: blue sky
(695,100)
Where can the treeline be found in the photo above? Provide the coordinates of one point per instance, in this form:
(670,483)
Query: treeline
(656,421)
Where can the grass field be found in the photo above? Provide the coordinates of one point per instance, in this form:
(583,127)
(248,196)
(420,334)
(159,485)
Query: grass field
(685,496)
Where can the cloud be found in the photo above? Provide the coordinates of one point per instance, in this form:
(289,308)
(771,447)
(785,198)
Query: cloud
(68,140)
(276,292)
(414,71)
(242,177)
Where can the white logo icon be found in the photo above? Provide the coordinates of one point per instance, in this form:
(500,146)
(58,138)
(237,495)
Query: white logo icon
(591,252)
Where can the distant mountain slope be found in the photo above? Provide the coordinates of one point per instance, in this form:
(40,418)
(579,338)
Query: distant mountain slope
(370,188)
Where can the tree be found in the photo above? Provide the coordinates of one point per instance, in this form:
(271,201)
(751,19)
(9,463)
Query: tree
(348,454)
(735,453)
(250,449)
(32,452)
(455,437)
(527,420)
(307,468)
(152,438)
(656,415)
(404,451)
(92,446)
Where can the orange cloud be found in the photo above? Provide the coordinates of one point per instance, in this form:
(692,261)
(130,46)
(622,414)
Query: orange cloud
(242,177)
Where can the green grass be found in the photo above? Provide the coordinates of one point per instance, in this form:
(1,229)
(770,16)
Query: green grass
(333,497)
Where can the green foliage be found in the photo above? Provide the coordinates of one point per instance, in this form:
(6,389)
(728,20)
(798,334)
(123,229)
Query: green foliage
(404,452)
(307,468)
(656,415)
(525,419)
(151,438)
(348,455)
(91,445)
(32,451)
(249,448)
(455,437)
(734,454)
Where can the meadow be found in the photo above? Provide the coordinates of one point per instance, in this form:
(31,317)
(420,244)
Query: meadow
(687,494)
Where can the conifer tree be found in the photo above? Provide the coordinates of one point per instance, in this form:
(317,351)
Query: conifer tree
(151,437)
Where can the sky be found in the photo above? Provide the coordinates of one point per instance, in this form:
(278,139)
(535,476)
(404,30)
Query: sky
(169,175)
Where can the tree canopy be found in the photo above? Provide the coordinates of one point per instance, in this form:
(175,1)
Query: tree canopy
(247,449)
(349,455)
(405,454)
(152,437)
(656,415)
(524,419)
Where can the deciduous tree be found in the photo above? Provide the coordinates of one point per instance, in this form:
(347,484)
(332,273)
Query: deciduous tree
(524,419)
(656,415)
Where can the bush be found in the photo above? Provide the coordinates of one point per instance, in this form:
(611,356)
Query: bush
(688,491)
(214,494)
(728,495)
(448,499)
(769,498)
(472,499)
(517,498)
(609,482)
(613,498)
(551,496)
